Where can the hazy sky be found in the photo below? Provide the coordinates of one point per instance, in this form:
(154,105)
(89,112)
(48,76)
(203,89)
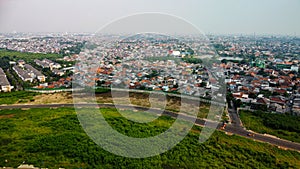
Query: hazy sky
(211,16)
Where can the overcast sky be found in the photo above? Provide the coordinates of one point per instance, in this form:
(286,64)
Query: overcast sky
(210,16)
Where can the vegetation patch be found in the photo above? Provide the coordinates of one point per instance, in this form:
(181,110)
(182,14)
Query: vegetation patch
(7,116)
(280,125)
(17,97)
(9,55)
(53,139)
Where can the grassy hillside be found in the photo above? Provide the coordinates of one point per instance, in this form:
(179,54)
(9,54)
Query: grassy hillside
(280,125)
(54,138)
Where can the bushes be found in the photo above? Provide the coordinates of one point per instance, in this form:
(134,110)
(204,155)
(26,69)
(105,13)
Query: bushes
(279,121)
(53,139)
(65,123)
(281,125)
(283,122)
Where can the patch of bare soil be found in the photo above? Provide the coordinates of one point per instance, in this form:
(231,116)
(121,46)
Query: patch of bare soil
(59,98)
(7,116)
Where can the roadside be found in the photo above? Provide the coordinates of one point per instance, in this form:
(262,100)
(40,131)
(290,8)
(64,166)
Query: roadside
(277,125)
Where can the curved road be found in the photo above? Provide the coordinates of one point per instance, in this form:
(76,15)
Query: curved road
(234,128)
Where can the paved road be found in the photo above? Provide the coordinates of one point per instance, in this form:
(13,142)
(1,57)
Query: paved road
(234,128)
(235,119)
(237,127)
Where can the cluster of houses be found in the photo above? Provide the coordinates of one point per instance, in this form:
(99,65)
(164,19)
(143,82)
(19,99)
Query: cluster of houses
(295,102)
(53,66)
(265,88)
(258,46)
(46,63)
(43,43)
(61,83)
(4,83)
(136,65)
(167,76)
(28,73)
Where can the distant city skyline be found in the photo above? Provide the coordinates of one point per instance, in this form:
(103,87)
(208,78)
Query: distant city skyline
(210,16)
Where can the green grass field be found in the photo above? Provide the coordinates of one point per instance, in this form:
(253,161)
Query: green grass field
(54,138)
(15,55)
(283,126)
(16,97)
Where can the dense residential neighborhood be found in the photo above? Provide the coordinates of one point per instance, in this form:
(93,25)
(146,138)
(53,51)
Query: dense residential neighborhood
(53,57)
(138,62)
(35,43)
(261,72)
(166,84)
(265,88)
(257,75)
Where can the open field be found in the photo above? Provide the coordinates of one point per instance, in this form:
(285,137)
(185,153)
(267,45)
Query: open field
(54,138)
(139,99)
(59,98)
(23,97)
(17,97)
(283,126)
(142,99)
(14,55)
